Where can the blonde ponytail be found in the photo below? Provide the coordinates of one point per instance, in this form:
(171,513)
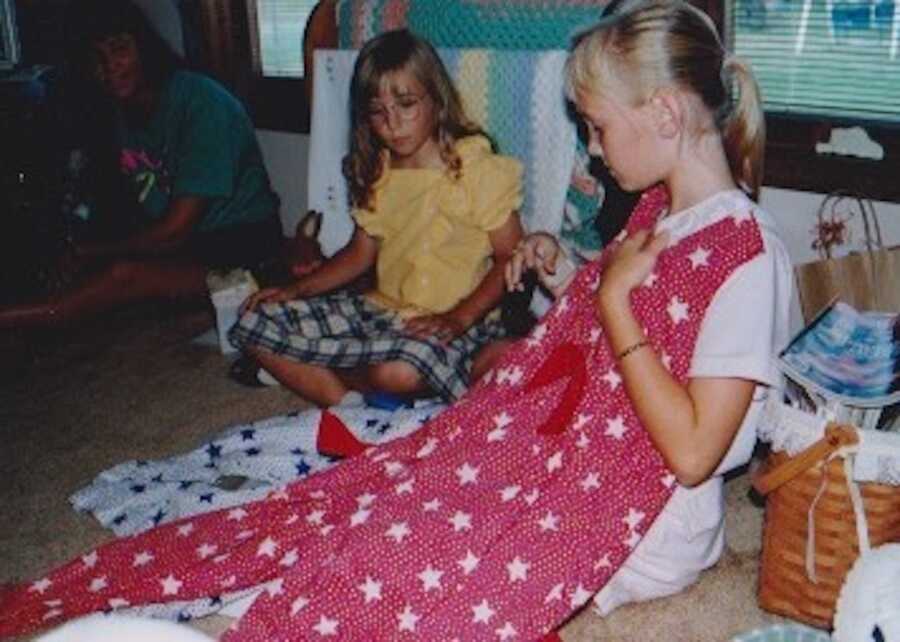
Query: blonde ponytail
(647,44)
(744,129)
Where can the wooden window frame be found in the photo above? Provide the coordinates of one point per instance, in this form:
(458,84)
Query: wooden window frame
(230,38)
(792,162)
(284,104)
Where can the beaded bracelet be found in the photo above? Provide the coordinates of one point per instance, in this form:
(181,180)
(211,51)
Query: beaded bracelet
(634,347)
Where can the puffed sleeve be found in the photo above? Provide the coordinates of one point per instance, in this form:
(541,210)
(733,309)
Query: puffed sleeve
(373,222)
(493,185)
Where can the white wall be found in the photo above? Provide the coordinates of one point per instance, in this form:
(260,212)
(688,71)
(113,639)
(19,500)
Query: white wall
(796,213)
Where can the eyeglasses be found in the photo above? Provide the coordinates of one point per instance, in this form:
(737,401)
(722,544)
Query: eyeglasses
(407,108)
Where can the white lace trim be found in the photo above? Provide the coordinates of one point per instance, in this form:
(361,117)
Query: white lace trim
(788,430)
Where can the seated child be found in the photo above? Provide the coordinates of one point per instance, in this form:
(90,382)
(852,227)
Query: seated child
(435,213)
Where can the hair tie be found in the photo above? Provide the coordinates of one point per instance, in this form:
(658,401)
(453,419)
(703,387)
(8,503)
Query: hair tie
(732,64)
(728,62)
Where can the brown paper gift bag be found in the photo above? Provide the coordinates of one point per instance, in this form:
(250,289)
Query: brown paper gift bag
(867,280)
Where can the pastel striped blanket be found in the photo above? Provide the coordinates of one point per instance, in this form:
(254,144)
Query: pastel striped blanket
(510,24)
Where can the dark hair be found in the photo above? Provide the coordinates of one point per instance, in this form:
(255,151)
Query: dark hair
(384,54)
(88,22)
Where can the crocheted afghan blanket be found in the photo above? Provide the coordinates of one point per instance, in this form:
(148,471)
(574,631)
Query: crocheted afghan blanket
(496,24)
(509,98)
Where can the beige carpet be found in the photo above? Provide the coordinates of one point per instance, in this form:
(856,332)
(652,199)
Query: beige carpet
(136,386)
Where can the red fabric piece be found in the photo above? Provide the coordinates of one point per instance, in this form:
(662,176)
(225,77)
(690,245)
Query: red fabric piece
(335,439)
(566,362)
(476,527)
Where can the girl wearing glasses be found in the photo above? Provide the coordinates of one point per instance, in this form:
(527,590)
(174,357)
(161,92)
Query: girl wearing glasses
(435,214)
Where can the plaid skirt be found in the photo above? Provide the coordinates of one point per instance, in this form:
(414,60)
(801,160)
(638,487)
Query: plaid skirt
(344,330)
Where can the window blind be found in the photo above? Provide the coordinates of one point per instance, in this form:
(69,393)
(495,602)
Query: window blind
(825,58)
(280,24)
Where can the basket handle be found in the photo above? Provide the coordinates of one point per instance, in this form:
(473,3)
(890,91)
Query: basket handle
(836,436)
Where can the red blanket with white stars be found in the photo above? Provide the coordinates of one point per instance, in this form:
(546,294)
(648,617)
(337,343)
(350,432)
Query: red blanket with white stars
(495,521)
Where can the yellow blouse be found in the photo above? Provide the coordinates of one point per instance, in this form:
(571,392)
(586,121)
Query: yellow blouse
(432,229)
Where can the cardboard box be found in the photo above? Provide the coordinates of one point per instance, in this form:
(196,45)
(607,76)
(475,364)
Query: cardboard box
(227,291)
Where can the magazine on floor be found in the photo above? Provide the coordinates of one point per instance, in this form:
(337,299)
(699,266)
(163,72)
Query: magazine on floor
(847,356)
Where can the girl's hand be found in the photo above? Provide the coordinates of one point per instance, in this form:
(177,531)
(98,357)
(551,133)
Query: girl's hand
(630,264)
(443,327)
(539,252)
(268,295)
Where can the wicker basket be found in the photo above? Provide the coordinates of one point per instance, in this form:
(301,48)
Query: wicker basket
(792,484)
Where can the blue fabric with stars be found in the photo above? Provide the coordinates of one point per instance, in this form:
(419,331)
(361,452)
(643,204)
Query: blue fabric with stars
(244,463)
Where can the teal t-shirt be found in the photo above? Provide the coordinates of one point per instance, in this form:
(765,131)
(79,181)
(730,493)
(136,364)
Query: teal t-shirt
(199,142)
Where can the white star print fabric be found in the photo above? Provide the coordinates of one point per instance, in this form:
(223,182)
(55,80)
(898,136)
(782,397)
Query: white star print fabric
(243,464)
(496,521)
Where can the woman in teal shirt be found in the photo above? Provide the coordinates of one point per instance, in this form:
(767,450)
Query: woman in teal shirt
(189,152)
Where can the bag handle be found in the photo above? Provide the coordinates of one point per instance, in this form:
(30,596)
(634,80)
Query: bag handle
(870,221)
(836,436)
(874,242)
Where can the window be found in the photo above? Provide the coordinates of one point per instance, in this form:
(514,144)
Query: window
(823,58)
(279,29)
(280,87)
(255,47)
(9,35)
(822,65)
